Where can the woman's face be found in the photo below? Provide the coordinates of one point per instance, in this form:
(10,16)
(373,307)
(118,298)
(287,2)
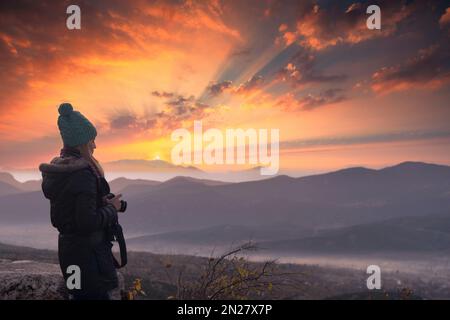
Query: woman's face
(91,147)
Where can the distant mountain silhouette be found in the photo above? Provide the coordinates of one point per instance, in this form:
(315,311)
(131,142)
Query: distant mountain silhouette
(6,189)
(148,166)
(328,209)
(130,185)
(9,180)
(188,181)
(337,199)
(32,185)
(233,176)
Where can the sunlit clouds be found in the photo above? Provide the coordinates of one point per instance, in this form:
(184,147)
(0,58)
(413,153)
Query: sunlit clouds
(312,69)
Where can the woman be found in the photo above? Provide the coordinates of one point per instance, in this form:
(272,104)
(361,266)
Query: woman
(82,209)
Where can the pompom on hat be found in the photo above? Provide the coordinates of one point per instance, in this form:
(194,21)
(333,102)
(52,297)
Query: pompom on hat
(75,128)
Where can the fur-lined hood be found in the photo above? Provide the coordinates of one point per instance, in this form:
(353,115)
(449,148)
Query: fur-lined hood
(64,165)
(56,173)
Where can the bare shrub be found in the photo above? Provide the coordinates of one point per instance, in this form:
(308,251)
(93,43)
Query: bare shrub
(229,276)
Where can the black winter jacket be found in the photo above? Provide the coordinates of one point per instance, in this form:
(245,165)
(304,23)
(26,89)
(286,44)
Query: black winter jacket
(78,211)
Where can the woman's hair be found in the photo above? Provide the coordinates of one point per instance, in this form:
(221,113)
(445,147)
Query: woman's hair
(86,154)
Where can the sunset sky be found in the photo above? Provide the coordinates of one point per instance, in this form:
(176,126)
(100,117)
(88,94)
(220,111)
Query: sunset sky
(341,95)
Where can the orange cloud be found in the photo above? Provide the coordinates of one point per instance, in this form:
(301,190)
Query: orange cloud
(110,50)
(319,27)
(427,70)
(445,18)
(138,69)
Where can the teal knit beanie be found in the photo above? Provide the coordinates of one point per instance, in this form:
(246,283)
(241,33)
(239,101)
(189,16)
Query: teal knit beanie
(75,129)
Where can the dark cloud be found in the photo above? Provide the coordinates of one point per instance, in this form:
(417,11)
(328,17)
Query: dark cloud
(430,68)
(301,70)
(321,24)
(326,97)
(181,105)
(178,108)
(253,83)
(175,108)
(216,88)
(163,94)
(201,105)
(126,120)
(289,102)
(296,66)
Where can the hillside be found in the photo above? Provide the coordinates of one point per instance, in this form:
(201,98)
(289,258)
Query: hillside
(7,189)
(9,180)
(222,235)
(304,281)
(429,234)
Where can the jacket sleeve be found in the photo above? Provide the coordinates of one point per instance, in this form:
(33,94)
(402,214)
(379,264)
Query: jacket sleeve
(87,217)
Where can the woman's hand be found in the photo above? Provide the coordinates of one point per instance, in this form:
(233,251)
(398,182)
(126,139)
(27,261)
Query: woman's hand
(115,201)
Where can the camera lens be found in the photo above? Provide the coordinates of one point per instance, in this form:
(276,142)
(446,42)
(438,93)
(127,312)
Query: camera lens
(123,206)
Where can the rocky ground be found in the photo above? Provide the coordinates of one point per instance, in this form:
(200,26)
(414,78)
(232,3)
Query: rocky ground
(33,280)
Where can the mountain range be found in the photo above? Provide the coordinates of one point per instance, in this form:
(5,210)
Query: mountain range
(403,207)
(9,185)
(158,166)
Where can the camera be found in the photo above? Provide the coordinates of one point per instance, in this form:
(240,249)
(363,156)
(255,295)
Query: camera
(123,203)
